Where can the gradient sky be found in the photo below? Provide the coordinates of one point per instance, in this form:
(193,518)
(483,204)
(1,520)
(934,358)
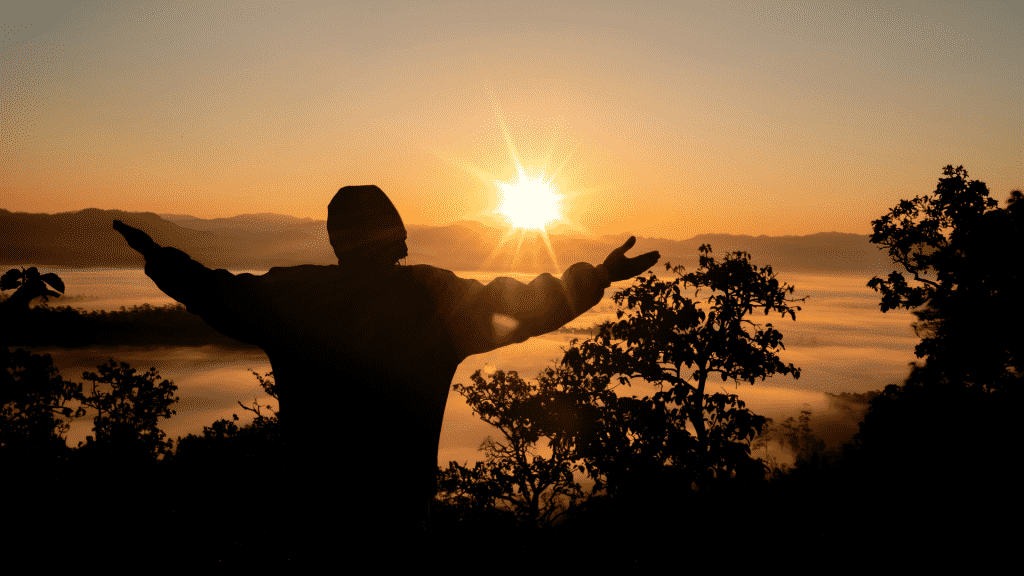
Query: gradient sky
(668,119)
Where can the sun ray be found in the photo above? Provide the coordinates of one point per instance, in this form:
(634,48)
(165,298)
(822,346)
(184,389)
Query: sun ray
(551,150)
(497,249)
(564,162)
(475,170)
(551,250)
(515,255)
(513,155)
(528,198)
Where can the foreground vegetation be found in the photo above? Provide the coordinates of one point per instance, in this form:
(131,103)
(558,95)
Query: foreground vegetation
(677,475)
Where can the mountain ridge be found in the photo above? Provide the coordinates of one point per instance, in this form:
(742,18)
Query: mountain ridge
(85,239)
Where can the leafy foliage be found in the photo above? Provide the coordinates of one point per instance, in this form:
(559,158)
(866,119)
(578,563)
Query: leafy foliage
(36,407)
(622,443)
(225,444)
(469,496)
(270,387)
(962,402)
(28,285)
(44,284)
(129,406)
(125,469)
(797,436)
(962,250)
(534,486)
(661,335)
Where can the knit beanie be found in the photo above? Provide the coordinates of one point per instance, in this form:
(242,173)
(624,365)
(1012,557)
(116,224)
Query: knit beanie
(362,223)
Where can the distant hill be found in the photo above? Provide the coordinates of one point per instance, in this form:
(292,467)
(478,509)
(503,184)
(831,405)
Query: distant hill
(259,241)
(86,239)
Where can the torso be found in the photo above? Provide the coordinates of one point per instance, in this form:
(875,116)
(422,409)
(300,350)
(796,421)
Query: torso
(380,350)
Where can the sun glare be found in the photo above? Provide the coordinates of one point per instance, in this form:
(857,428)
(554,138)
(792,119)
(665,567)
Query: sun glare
(529,202)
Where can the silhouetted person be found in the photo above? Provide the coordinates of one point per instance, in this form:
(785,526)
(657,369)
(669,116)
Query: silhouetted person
(364,353)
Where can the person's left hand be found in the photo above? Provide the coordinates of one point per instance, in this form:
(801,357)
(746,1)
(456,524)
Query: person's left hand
(137,239)
(622,268)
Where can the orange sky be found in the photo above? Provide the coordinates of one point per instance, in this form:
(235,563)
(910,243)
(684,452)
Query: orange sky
(670,119)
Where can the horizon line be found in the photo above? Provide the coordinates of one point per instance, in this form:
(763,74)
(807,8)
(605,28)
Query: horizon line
(551,230)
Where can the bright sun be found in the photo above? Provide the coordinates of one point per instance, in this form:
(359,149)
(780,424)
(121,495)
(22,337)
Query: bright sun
(529,202)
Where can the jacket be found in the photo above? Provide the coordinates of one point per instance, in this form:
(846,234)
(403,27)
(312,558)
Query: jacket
(363,362)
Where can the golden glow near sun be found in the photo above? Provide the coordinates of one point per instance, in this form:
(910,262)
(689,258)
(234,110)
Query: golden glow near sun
(529,201)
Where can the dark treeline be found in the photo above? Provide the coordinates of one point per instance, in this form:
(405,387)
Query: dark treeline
(681,477)
(145,325)
(147,497)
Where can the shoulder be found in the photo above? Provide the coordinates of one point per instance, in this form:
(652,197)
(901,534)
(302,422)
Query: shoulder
(430,273)
(438,280)
(304,272)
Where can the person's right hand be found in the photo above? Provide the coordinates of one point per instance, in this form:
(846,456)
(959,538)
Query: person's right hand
(621,268)
(137,239)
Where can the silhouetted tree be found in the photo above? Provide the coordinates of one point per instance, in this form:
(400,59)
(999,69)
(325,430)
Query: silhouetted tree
(129,406)
(36,408)
(270,387)
(114,475)
(468,500)
(796,435)
(251,458)
(624,444)
(534,486)
(963,251)
(811,451)
(665,334)
(769,433)
(224,444)
(948,433)
(28,285)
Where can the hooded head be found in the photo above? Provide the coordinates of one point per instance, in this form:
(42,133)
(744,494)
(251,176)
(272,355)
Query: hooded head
(365,229)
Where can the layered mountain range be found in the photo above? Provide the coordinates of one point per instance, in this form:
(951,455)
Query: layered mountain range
(86,239)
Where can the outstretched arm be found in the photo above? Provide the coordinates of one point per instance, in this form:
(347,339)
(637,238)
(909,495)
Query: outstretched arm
(217,296)
(507,311)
